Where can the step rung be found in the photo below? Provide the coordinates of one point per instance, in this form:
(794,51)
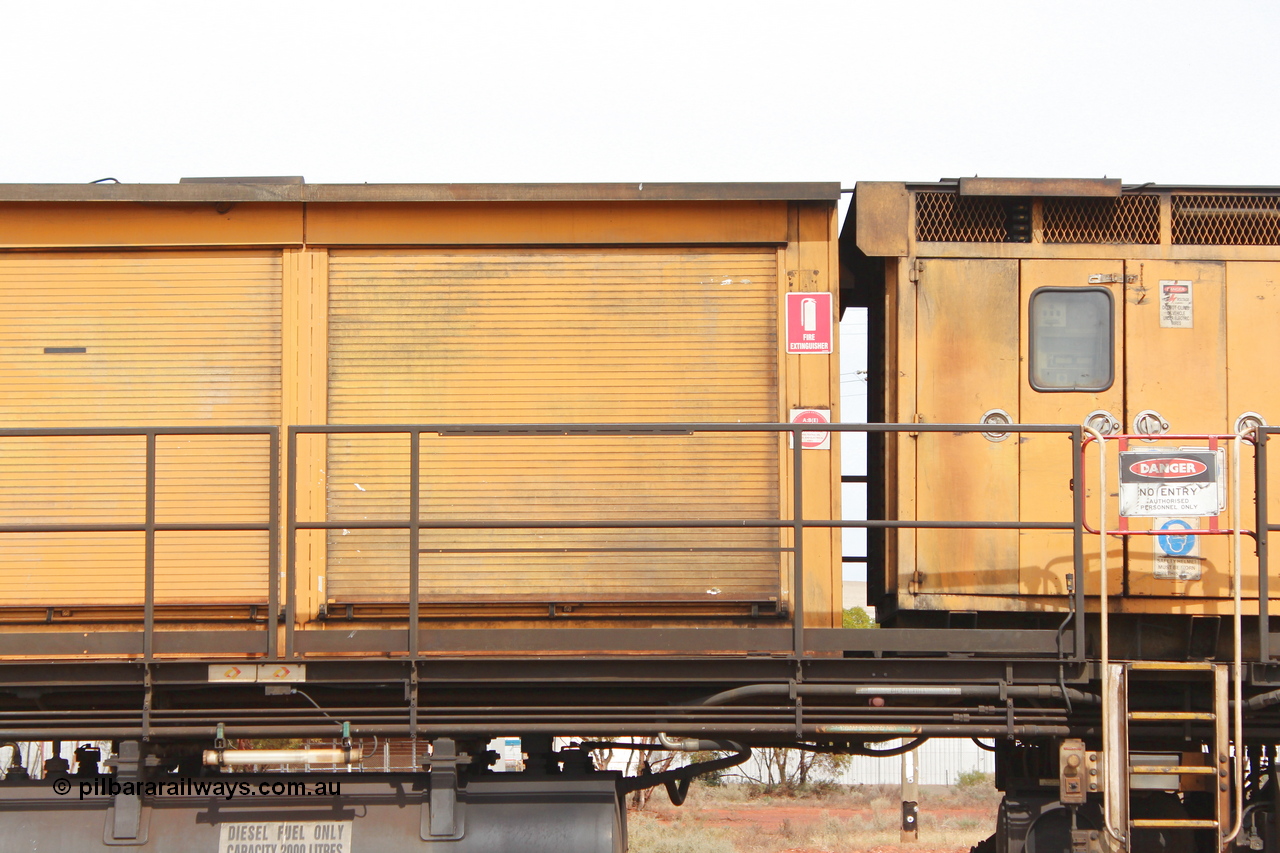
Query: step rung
(1171,665)
(1140,716)
(1170,823)
(1171,770)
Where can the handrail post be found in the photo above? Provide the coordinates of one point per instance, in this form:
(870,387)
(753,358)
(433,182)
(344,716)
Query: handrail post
(273,544)
(1262,434)
(149,558)
(1077,538)
(797,554)
(415,437)
(291,540)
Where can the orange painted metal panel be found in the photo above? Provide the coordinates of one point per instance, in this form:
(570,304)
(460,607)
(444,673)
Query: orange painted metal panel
(45,224)
(1045,459)
(621,223)
(555,336)
(130,340)
(967,315)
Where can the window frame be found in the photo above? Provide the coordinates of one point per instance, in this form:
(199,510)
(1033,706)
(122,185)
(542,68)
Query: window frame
(1111,340)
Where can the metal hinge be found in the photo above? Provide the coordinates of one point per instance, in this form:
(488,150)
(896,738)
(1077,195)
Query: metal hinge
(1112,278)
(917,268)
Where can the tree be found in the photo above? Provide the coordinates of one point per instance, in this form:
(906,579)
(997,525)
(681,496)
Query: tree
(778,770)
(856,617)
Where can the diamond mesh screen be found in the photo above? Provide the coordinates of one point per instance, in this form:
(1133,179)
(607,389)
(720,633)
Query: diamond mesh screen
(1226,220)
(1127,219)
(949,218)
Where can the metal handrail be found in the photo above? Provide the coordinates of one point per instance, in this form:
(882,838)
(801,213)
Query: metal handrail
(796,523)
(150,526)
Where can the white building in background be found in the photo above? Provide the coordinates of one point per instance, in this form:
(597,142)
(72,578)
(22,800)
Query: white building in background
(940,762)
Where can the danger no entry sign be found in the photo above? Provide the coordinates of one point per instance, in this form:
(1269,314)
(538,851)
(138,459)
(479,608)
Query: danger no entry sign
(1165,483)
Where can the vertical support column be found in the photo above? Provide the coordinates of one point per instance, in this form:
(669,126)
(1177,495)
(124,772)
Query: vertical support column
(273,546)
(812,381)
(1260,525)
(415,474)
(910,797)
(304,400)
(1222,748)
(149,579)
(1077,538)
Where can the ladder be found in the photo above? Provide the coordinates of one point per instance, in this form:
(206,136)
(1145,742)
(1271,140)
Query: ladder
(1120,770)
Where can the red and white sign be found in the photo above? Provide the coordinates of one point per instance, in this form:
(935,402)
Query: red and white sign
(809,324)
(812,440)
(1169,469)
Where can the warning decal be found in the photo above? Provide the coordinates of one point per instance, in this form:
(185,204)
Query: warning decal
(812,440)
(1167,483)
(809,324)
(1177,554)
(1175,305)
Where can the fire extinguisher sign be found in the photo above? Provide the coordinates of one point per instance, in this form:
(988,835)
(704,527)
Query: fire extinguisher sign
(809,324)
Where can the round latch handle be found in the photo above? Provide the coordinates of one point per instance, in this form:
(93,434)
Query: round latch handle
(1150,422)
(996,417)
(1103,422)
(1248,422)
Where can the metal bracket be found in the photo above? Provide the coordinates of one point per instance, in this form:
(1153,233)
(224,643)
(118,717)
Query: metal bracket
(1072,771)
(126,825)
(1112,278)
(443,816)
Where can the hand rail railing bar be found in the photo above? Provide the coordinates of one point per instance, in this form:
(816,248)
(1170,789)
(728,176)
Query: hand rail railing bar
(796,523)
(273,546)
(1260,541)
(149,527)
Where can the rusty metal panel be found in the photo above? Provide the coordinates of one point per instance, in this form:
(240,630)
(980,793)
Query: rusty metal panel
(1045,460)
(555,336)
(967,352)
(1040,187)
(883,211)
(135,340)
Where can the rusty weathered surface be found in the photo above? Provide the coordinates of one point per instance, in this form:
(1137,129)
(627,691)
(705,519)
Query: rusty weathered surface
(267,190)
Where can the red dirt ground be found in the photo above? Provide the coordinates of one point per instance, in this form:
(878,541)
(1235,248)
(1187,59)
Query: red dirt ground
(758,819)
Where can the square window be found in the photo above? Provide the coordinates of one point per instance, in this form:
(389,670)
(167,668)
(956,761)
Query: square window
(1072,339)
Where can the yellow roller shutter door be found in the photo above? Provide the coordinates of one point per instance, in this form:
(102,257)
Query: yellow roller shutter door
(127,340)
(555,336)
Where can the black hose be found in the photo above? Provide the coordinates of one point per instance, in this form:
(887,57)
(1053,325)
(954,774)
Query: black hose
(677,781)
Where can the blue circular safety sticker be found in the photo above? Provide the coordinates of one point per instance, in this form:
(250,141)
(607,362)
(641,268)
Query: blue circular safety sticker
(1174,545)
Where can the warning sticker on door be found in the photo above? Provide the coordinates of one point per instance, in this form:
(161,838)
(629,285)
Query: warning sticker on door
(1177,554)
(1175,305)
(1165,483)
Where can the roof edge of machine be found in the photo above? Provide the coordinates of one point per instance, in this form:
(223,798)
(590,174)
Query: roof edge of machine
(255,190)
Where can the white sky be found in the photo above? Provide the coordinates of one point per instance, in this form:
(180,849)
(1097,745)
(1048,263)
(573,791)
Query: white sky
(645,91)
(1170,92)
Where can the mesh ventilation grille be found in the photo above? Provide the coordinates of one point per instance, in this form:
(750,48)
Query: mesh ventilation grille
(1127,219)
(949,218)
(1226,220)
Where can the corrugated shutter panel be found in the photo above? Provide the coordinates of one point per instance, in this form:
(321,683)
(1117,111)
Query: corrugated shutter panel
(555,336)
(168,340)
